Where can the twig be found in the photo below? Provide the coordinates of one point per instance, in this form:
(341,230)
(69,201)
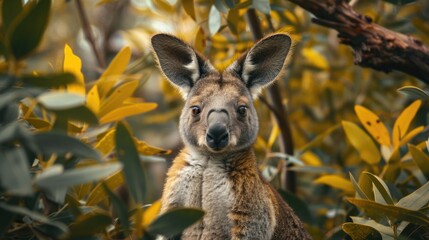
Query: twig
(279,112)
(88,33)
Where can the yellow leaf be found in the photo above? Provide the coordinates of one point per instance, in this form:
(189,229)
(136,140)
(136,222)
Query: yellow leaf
(151,213)
(273,136)
(93,99)
(146,149)
(107,143)
(315,59)
(114,71)
(338,182)
(401,125)
(98,194)
(373,125)
(119,95)
(126,111)
(362,143)
(311,159)
(411,134)
(73,64)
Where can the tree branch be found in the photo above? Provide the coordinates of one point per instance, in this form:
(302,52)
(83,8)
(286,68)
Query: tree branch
(276,106)
(86,26)
(374,46)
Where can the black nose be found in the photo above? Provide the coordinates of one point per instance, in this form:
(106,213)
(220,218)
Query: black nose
(217,136)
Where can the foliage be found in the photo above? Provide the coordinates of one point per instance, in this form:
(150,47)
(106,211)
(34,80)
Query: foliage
(71,132)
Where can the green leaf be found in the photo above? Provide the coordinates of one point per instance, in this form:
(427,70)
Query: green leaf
(381,186)
(174,221)
(54,80)
(10,10)
(400,2)
(385,231)
(80,114)
(27,31)
(33,216)
(15,172)
(60,179)
(359,192)
(57,101)
(394,213)
(361,232)
(90,224)
(421,159)
(214,20)
(57,143)
(120,208)
(262,5)
(128,155)
(417,199)
(220,6)
(17,94)
(414,92)
(230,4)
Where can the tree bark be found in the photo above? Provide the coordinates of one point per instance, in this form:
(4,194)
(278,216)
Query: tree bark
(374,46)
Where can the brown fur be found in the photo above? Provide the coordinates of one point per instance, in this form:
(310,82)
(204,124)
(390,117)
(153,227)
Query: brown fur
(217,170)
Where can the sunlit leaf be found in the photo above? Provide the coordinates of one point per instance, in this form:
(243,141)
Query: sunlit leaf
(262,6)
(107,143)
(361,232)
(90,224)
(146,149)
(98,194)
(39,124)
(315,58)
(402,123)
(188,5)
(126,111)
(385,231)
(359,192)
(26,32)
(373,125)
(362,143)
(336,181)
(214,20)
(151,213)
(421,159)
(414,92)
(128,155)
(93,99)
(73,64)
(394,213)
(317,140)
(174,221)
(118,96)
(232,19)
(311,159)
(110,76)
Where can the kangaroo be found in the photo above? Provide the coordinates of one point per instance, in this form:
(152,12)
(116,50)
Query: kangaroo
(217,170)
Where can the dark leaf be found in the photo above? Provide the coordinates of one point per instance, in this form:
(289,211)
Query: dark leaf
(33,216)
(10,10)
(175,221)
(400,2)
(262,5)
(18,94)
(27,31)
(128,155)
(15,132)
(14,172)
(90,224)
(361,232)
(220,6)
(58,143)
(54,80)
(299,206)
(120,208)
(9,113)
(80,114)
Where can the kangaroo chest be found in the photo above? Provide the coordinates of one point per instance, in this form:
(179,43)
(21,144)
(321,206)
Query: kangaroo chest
(206,185)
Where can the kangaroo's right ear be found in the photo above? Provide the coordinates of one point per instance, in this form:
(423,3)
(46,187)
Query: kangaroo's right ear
(179,62)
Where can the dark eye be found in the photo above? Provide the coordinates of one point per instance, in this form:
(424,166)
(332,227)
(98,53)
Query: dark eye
(195,110)
(242,110)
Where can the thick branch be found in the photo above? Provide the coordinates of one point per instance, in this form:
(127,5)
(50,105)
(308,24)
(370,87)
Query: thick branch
(374,46)
(276,106)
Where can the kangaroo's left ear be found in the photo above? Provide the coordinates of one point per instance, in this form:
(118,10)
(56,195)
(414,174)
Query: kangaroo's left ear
(262,64)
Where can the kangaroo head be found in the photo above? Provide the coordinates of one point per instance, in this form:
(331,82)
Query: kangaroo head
(219,116)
